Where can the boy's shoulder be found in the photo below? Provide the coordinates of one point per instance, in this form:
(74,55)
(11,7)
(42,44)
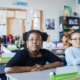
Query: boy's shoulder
(42,49)
(69,48)
(45,51)
(23,51)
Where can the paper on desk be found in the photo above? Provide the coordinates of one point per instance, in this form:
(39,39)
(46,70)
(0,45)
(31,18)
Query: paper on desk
(12,46)
(59,51)
(66,69)
(8,55)
(59,44)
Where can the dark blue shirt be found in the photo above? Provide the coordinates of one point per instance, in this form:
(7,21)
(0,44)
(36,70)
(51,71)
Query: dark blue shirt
(22,58)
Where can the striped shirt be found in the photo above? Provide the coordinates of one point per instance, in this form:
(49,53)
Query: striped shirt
(22,58)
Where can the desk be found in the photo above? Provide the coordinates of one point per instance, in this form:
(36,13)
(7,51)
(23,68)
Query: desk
(4,61)
(2,64)
(56,48)
(57,51)
(37,75)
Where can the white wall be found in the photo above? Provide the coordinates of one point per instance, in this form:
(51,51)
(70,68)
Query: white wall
(52,9)
(78,8)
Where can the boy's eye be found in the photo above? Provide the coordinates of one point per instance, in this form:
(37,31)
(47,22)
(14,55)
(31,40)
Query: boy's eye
(31,39)
(75,39)
(37,39)
(34,39)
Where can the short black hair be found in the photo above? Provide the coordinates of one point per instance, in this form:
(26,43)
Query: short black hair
(33,31)
(44,35)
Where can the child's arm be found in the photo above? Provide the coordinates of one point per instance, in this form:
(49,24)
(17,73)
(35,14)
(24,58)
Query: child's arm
(71,58)
(53,65)
(16,64)
(54,60)
(18,69)
(47,66)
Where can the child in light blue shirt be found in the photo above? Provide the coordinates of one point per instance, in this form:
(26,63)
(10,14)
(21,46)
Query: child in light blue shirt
(72,54)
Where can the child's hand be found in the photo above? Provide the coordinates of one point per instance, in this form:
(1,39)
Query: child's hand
(39,67)
(33,69)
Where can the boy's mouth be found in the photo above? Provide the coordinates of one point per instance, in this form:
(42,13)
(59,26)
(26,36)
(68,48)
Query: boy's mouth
(34,46)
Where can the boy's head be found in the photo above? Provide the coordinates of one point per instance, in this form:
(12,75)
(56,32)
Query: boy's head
(75,39)
(34,40)
(63,38)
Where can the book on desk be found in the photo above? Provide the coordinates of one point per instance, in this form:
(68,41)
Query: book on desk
(7,56)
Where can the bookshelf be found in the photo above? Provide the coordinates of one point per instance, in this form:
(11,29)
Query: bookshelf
(69,25)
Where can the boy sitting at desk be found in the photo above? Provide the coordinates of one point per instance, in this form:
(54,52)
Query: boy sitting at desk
(33,58)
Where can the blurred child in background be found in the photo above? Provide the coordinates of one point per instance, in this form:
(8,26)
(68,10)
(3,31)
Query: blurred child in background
(48,43)
(64,41)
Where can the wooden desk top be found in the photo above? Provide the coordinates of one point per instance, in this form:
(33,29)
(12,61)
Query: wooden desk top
(4,61)
(56,48)
(61,56)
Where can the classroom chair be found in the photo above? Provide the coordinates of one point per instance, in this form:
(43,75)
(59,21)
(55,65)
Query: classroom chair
(64,61)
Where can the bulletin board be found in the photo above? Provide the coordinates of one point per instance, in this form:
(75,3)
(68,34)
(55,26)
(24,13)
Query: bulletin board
(16,23)
(11,27)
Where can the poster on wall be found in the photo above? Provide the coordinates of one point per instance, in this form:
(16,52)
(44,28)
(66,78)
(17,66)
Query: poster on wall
(67,11)
(36,14)
(36,23)
(2,16)
(50,25)
(28,25)
(16,27)
(10,13)
(20,2)
(20,14)
(29,13)
(2,22)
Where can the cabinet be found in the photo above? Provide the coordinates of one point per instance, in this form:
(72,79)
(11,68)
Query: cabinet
(69,25)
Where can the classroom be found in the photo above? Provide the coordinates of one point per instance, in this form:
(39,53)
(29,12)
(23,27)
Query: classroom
(39,39)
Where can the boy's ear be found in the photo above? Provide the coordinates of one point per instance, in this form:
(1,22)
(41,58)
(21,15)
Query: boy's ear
(41,43)
(27,44)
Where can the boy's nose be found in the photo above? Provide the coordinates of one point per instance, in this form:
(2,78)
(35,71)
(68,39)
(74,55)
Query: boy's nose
(34,41)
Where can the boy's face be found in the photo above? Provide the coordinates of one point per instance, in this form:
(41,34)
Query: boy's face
(34,42)
(64,39)
(75,40)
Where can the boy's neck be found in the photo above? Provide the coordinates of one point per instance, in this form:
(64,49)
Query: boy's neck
(64,41)
(34,54)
